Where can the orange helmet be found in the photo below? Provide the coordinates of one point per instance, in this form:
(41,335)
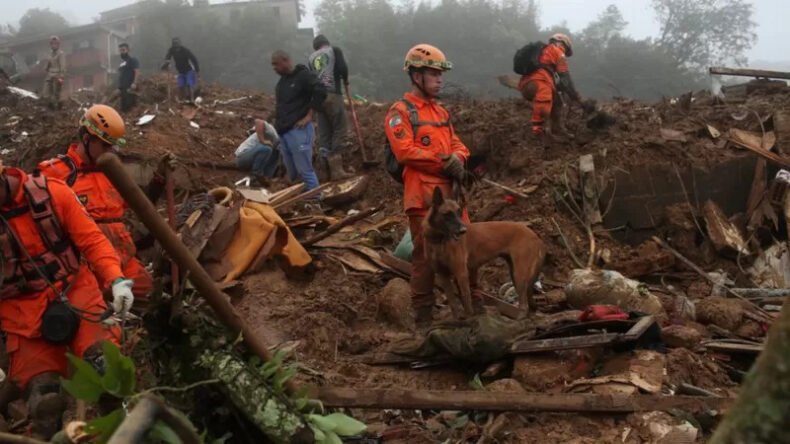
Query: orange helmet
(426,56)
(565,40)
(105,123)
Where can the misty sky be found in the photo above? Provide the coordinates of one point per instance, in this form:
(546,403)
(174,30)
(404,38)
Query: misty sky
(770,16)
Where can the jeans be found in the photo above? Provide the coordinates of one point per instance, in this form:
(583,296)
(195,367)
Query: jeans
(257,158)
(297,148)
(332,126)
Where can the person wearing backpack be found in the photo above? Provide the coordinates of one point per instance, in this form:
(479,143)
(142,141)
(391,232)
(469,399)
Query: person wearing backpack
(427,154)
(544,70)
(329,64)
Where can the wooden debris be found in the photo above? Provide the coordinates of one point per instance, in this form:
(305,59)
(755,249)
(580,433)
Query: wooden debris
(513,191)
(688,389)
(589,189)
(714,133)
(702,273)
(734,346)
(745,140)
(673,135)
(350,220)
(306,195)
(744,72)
(751,293)
(584,341)
(516,402)
(723,234)
(781,120)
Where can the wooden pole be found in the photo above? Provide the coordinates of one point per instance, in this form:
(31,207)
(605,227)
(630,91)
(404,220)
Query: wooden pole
(112,167)
(512,402)
(744,72)
(343,223)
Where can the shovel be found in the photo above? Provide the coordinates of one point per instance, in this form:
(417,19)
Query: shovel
(366,161)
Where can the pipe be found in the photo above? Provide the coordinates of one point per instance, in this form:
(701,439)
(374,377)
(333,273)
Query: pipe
(112,167)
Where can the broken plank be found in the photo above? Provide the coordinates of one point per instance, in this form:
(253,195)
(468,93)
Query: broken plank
(350,220)
(557,344)
(589,189)
(639,328)
(745,72)
(739,138)
(722,233)
(730,347)
(514,402)
(751,293)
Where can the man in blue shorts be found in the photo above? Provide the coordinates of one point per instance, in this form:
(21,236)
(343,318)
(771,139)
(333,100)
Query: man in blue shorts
(187,67)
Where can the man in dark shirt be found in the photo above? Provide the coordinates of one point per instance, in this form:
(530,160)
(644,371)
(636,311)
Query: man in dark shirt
(298,93)
(187,67)
(328,63)
(128,74)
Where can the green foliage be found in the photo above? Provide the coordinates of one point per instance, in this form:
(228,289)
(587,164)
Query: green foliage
(476,383)
(329,428)
(118,380)
(41,21)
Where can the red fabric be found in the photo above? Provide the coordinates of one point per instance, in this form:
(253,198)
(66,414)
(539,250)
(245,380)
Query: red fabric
(20,318)
(106,205)
(421,153)
(602,313)
(552,56)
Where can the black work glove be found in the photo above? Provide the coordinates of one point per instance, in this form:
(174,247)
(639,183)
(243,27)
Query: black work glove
(453,166)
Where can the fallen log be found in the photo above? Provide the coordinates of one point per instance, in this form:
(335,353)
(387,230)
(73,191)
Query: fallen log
(745,72)
(350,220)
(513,402)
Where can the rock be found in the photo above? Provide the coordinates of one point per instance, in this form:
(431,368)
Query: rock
(394,302)
(538,373)
(722,312)
(591,287)
(677,336)
(505,386)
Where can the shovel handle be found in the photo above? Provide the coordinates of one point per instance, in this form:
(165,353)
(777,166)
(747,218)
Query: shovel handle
(356,124)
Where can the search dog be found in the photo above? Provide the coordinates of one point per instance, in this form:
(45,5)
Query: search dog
(456,251)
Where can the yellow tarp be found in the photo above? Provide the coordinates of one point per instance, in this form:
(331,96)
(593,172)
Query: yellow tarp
(262,234)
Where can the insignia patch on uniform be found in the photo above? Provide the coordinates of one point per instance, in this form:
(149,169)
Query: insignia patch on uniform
(83,198)
(395,121)
(426,140)
(400,133)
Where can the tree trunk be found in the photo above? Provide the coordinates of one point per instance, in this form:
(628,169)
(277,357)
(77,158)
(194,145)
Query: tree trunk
(762,411)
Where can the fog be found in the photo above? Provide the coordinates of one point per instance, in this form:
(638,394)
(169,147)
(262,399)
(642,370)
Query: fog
(628,50)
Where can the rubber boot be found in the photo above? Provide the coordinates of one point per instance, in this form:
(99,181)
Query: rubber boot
(336,169)
(46,405)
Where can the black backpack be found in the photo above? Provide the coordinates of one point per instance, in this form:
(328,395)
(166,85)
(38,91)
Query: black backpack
(526,60)
(391,164)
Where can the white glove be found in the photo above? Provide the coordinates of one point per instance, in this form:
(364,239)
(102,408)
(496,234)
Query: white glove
(122,297)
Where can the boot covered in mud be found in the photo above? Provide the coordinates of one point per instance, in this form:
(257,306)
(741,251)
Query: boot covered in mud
(323,171)
(46,405)
(337,171)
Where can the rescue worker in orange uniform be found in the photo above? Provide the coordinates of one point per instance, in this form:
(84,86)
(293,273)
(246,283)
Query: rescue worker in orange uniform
(541,86)
(424,142)
(50,300)
(102,129)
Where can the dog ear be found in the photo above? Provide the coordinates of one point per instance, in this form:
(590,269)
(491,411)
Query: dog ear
(438,197)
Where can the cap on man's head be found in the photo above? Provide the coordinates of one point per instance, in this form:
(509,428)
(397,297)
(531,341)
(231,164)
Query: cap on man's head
(319,41)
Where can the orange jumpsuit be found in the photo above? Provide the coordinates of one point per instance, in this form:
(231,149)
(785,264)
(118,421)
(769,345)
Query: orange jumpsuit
(420,155)
(543,85)
(20,317)
(107,208)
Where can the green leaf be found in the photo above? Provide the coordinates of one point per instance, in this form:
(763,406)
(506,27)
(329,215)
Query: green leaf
(105,426)
(321,422)
(319,435)
(164,433)
(301,403)
(85,383)
(476,383)
(119,377)
(346,425)
(284,376)
(332,438)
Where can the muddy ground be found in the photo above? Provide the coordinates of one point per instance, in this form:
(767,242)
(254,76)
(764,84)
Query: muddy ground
(334,317)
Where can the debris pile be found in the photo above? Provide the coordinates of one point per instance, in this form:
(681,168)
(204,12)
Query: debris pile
(666,228)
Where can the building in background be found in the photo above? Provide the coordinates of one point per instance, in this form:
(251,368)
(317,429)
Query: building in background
(91,57)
